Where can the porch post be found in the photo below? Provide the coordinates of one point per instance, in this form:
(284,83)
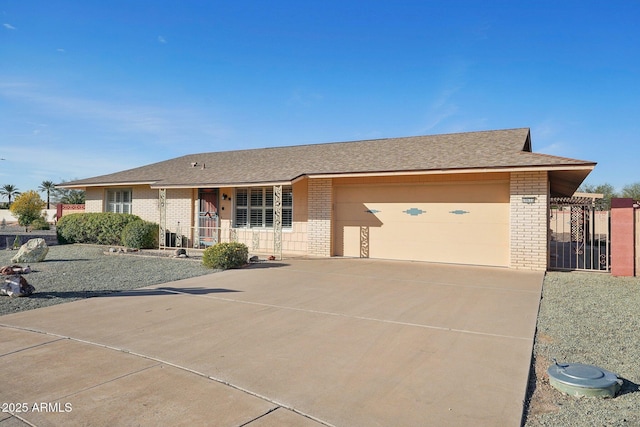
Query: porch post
(277,220)
(162,207)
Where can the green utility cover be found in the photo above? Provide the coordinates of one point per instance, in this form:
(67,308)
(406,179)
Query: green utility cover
(579,380)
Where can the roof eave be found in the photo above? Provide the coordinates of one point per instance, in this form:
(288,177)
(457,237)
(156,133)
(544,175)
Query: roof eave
(585,167)
(222,184)
(104,184)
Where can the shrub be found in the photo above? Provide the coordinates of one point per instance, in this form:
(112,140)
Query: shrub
(140,235)
(40,224)
(225,255)
(27,207)
(103,228)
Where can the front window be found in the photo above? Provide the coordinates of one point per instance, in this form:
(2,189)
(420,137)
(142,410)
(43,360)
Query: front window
(254,207)
(119,201)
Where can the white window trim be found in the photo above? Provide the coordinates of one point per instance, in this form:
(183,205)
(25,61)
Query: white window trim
(263,207)
(110,206)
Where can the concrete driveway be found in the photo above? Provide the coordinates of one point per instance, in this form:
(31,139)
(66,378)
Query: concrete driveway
(323,342)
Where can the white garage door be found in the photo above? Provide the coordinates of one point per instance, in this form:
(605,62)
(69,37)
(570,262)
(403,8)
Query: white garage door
(452,223)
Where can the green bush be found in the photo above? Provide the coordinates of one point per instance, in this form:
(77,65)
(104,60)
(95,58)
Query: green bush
(40,224)
(103,228)
(140,235)
(225,255)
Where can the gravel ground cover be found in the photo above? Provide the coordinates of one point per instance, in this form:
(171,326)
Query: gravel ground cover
(72,272)
(594,319)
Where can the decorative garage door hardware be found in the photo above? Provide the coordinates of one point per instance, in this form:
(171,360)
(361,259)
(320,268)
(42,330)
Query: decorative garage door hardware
(414,212)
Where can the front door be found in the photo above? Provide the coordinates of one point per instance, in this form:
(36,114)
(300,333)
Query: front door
(208,221)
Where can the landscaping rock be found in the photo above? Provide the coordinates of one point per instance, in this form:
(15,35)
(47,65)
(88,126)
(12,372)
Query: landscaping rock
(35,250)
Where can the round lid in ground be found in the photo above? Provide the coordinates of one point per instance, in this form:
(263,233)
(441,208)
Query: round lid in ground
(573,377)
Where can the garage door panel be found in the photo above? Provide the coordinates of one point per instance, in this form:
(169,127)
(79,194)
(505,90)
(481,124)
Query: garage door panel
(426,212)
(463,245)
(414,227)
(438,193)
(439,233)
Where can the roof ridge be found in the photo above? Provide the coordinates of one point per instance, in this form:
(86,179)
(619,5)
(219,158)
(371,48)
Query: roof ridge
(355,141)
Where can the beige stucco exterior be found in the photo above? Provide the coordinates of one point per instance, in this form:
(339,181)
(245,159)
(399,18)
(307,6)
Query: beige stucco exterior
(468,218)
(471,197)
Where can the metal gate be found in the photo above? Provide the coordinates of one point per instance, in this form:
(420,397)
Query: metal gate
(580,236)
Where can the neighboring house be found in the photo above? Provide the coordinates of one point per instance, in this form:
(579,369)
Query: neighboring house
(477,198)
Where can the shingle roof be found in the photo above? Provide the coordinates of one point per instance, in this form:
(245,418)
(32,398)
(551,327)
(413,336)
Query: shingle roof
(472,150)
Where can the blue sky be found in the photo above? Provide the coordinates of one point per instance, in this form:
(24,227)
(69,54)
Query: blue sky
(93,87)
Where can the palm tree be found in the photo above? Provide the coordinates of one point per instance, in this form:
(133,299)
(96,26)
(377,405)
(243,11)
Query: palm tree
(72,197)
(47,186)
(9,191)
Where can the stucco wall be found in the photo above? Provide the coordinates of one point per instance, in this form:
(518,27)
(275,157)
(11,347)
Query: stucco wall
(5,214)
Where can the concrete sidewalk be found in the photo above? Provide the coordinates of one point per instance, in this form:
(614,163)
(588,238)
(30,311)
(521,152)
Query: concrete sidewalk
(337,342)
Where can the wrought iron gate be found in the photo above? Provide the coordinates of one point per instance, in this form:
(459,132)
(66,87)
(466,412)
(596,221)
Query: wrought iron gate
(580,237)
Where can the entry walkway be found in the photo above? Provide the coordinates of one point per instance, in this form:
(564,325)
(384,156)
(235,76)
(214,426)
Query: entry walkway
(331,342)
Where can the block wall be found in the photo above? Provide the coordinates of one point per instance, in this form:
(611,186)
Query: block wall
(94,199)
(319,233)
(145,203)
(529,229)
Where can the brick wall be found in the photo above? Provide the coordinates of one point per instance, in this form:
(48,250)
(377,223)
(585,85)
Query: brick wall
(94,199)
(66,209)
(144,203)
(529,221)
(319,224)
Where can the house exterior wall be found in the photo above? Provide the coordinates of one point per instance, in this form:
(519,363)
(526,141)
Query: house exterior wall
(529,221)
(311,233)
(261,241)
(295,241)
(94,199)
(319,232)
(179,209)
(144,203)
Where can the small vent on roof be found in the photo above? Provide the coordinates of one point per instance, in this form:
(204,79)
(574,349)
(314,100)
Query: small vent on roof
(194,164)
(577,379)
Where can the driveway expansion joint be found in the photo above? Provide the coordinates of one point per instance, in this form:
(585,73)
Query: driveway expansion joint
(173,365)
(350,316)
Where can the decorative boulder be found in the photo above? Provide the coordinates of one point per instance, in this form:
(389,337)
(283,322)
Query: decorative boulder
(35,250)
